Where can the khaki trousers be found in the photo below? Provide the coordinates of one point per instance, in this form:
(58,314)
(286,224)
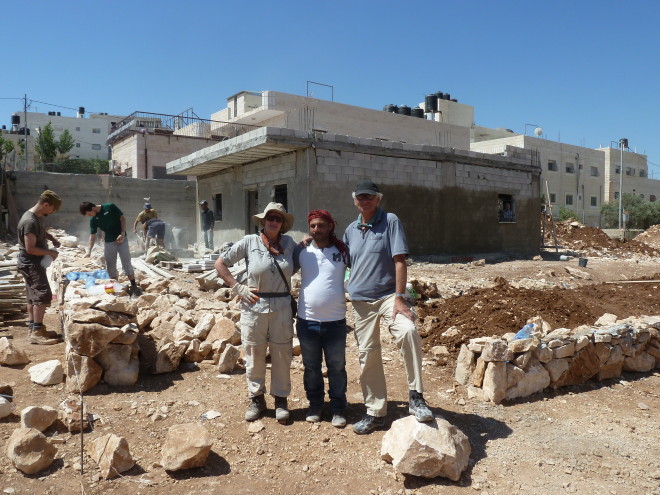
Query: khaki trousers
(259,331)
(367,333)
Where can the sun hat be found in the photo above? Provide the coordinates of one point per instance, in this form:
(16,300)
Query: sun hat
(366,187)
(279,208)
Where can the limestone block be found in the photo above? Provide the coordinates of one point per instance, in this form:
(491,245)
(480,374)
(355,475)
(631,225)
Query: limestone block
(163,331)
(72,414)
(168,357)
(118,305)
(556,368)
(30,451)
(82,304)
(83,372)
(475,393)
(581,342)
(602,337)
(613,366)
(228,359)
(204,326)
(584,365)
(145,300)
(429,450)
(47,373)
(536,378)
(6,407)
(513,375)
(496,350)
(224,329)
(111,454)
(605,320)
(440,351)
(603,351)
(186,446)
(210,305)
(521,345)
(38,417)
(183,331)
(195,353)
(465,363)
(91,338)
(145,317)
(495,383)
(567,350)
(479,372)
(554,343)
(110,319)
(128,334)
(522,360)
(640,362)
(543,353)
(626,343)
(120,363)
(10,355)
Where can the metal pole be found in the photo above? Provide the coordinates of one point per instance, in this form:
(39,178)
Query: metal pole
(621,184)
(25,130)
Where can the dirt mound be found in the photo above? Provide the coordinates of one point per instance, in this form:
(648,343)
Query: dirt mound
(651,236)
(592,240)
(502,309)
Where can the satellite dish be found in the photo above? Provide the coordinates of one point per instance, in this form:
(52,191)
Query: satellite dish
(538,131)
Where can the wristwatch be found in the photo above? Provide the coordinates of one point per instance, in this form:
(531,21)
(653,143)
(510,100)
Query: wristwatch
(400,295)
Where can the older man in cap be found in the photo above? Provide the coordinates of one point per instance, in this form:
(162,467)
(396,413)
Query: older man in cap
(377,286)
(208,221)
(33,250)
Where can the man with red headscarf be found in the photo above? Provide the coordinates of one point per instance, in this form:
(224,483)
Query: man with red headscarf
(321,322)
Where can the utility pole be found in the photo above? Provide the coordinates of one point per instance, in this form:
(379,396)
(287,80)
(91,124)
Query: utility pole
(623,142)
(25,130)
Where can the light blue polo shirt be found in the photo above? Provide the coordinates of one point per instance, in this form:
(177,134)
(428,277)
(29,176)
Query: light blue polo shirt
(372,249)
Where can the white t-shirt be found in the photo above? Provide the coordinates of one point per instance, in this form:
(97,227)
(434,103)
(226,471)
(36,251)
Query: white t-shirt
(321,295)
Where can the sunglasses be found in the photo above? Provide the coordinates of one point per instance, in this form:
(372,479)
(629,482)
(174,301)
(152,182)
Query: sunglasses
(275,218)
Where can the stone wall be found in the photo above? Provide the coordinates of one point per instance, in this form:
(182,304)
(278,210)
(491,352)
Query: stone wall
(500,369)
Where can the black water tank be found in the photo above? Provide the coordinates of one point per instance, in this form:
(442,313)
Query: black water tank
(440,95)
(81,110)
(390,108)
(454,100)
(417,112)
(447,96)
(404,110)
(15,119)
(430,103)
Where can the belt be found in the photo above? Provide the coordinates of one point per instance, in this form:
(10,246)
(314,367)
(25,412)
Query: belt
(272,294)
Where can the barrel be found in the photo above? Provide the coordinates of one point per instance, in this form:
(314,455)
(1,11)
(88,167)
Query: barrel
(430,103)
(417,112)
(404,110)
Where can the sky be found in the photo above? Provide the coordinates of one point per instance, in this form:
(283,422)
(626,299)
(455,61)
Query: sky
(587,71)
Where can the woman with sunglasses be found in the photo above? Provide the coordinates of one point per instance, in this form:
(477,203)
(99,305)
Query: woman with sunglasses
(266,314)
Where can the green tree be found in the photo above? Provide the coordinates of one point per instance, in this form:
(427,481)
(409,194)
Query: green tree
(6,147)
(79,166)
(567,214)
(641,213)
(45,144)
(65,143)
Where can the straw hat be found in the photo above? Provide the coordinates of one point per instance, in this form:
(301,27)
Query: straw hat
(279,208)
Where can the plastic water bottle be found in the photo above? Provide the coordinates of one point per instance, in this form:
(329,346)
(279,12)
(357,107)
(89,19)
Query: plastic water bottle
(109,288)
(412,293)
(525,332)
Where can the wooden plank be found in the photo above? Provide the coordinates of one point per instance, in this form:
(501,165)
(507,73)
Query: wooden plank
(634,282)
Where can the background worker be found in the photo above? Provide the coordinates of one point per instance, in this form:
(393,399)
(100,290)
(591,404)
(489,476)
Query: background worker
(112,222)
(154,228)
(33,247)
(208,221)
(147,213)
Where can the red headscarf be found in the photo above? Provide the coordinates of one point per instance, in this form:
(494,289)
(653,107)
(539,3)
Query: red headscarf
(325,215)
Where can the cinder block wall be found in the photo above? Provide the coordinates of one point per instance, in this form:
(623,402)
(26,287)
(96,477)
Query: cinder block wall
(173,199)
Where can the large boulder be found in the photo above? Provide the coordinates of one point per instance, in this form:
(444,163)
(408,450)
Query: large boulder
(6,407)
(584,365)
(465,363)
(435,448)
(495,382)
(89,339)
(640,362)
(186,446)
(111,454)
(120,363)
(30,451)
(47,373)
(168,357)
(10,355)
(224,329)
(204,326)
(535,379)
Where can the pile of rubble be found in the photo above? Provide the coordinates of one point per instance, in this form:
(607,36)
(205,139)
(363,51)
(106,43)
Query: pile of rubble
(498,369)
(650,237)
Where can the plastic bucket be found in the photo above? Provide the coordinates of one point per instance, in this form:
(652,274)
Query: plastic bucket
(582,262)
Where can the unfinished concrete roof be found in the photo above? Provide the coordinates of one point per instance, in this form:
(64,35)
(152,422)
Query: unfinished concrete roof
(267,142)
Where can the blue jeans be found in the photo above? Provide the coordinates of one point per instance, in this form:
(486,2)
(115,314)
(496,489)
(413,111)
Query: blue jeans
(208,238)
(318,339)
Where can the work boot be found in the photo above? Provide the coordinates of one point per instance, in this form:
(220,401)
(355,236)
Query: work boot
(257,407)
(281,409)
(368,424)
(49,333)
(38,336)
(418,407)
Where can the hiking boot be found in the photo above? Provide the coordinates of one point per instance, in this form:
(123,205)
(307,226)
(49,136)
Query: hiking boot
(49,333)
(281,409)
(38,336)
(368,424)
(338,420)
(314,413)
(257,407)
(418,407)
(134,290)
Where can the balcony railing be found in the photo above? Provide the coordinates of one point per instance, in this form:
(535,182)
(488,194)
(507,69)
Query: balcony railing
(185,124)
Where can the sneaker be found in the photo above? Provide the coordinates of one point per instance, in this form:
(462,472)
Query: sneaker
(418,407)
(257,407)
(313,413)
(338,420)
(281,409)
(39,337)
(367,424)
